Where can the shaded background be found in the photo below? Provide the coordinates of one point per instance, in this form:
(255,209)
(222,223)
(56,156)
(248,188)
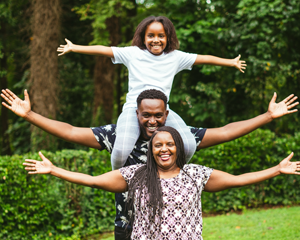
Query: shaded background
(89,91)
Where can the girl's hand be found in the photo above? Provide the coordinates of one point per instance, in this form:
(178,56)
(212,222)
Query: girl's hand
(287,167)
(15,104)
(38,167)
(65,48)
(240,65)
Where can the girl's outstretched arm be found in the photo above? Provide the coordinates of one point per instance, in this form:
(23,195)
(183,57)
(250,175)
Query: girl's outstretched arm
(212,60)
(92,50)
(219,180)
(111,181)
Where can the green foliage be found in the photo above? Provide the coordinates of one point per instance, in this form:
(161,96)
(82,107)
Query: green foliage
(100,11)
(254,152)
(13,56)
(265,33)
(41,206)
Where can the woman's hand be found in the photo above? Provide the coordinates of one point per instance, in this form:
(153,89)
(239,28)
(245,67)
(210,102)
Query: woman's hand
(288,167)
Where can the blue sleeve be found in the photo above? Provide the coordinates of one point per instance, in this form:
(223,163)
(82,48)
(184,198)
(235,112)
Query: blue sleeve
(198,134)
(105,136)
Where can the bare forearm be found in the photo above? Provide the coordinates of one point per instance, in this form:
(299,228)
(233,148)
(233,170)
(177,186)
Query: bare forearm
(256,177)
(111,181)
(221,180)
(65,131)
(73,177)
(212,60)
(231,131)
(241,128)
(93,50)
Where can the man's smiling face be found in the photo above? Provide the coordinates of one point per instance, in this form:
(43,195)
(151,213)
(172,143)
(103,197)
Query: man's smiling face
(151,114)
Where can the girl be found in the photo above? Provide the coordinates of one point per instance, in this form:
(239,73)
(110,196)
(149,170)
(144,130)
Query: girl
(152,63)
(165,192)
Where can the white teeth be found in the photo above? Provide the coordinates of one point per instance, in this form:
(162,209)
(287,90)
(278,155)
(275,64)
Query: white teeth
(151,128)
(164,156)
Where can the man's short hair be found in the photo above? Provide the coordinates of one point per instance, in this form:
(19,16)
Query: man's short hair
(152,94)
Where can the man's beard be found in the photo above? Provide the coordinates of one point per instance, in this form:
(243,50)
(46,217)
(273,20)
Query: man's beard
(144,131)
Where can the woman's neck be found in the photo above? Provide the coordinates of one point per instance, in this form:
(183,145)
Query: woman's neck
(168,173)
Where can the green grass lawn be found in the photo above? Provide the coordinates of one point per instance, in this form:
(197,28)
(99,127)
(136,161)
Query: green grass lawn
(279,223)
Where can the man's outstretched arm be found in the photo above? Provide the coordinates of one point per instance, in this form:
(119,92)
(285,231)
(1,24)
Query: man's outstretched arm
(231,131)
(65,131)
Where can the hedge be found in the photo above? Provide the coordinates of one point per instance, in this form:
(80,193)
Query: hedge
(44,207)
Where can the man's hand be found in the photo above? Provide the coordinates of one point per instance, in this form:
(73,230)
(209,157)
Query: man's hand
(38,167)
(64,49)
(288,167)
(282,108)
(240,65)
(15,104)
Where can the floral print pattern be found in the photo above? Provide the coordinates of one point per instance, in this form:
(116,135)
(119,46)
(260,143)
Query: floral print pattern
(182,213)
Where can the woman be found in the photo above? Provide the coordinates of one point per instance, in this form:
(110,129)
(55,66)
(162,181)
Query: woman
(165,193)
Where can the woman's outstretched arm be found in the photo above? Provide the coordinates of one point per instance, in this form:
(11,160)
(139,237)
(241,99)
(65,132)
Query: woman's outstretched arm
(111,181)
(212,60)
(219,180)
(92,50)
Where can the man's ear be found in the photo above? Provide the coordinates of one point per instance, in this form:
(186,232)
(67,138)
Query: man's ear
(137,113)
(167,113)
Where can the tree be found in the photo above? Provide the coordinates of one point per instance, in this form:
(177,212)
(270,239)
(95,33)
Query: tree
(107,18)
(44,67)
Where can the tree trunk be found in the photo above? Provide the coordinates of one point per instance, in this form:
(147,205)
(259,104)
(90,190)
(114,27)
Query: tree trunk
(104,73)
(44,66)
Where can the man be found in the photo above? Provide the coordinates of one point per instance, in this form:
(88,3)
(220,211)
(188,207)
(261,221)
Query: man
(151,114)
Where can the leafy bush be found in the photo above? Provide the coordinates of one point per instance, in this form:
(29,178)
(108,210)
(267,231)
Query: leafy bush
(254,152)
(44,207)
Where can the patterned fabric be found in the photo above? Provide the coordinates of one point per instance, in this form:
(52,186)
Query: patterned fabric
(182,214)
(106,136)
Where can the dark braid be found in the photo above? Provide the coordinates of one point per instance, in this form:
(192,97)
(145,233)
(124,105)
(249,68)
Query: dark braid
(146,178)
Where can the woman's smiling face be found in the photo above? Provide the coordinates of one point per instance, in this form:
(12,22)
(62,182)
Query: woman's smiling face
(164,151)
(155,38)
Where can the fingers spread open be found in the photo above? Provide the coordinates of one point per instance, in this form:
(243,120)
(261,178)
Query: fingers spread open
(293,105)
(291,101)
(288,98)
(30,160)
